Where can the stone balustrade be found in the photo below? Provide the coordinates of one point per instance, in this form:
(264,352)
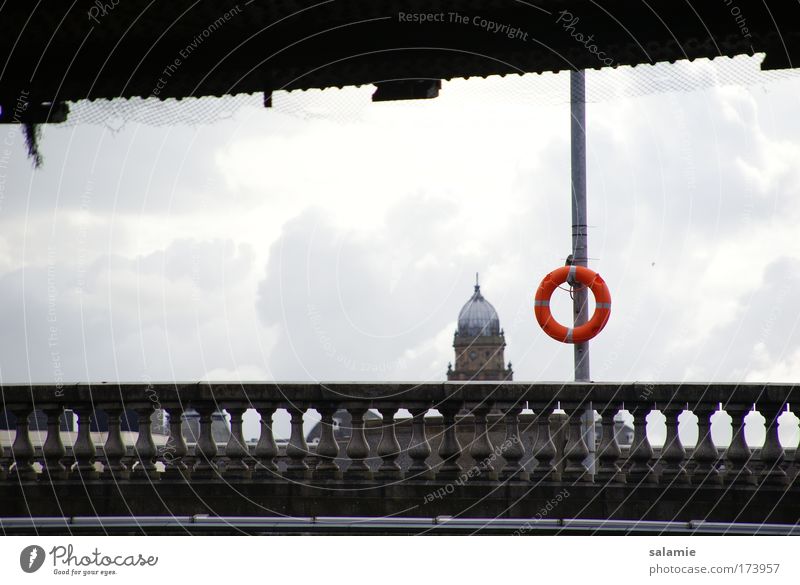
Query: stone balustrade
(498,451)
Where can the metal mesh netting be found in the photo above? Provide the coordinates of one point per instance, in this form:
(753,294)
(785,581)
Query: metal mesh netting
(351,105)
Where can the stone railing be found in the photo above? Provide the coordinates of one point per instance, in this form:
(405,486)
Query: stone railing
(494,453)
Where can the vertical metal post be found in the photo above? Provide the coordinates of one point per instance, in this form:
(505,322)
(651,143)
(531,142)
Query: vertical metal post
(580,248)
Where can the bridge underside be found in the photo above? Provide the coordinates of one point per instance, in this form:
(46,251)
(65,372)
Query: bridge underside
(183,48)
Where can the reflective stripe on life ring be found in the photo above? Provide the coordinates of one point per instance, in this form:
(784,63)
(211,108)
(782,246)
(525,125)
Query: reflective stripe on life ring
(602,310)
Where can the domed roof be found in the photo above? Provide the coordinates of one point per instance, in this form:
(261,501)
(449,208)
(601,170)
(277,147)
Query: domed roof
(478,317)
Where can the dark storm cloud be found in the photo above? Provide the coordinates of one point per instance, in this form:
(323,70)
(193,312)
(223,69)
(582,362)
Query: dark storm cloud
(121,318)
(138,169)
(684,191)
(354,306)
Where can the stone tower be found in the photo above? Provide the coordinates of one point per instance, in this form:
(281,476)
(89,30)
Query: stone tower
(479,343)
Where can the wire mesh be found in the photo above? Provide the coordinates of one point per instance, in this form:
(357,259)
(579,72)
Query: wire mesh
(351,104)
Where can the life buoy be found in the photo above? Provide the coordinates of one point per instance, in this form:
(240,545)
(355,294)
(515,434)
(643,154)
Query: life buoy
(602,298)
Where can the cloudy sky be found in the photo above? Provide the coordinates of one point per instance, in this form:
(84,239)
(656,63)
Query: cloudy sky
(330,238)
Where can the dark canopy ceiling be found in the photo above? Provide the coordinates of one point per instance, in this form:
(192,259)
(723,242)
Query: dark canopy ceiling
(56,50)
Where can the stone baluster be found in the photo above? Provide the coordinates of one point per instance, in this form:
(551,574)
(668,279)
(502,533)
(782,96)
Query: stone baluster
(53,450)
(236,449)
(608,453)
(84,450)
(738,453)
(205,450)
(482,450)
(114,448)
(175,450)
(513,450)
(5,461)
(266,449)
(544,450)
(772,454)
(673,454)
(794,470)
(389,447)
(559,432)
(22,450)
(419,449)
(450,448)
(358,448)
(5,454)
(297,449)
(705,454)
(327,448)
(641,454)
(144,449)
(575,451)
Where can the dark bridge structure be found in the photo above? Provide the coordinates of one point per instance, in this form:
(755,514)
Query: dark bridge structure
(494,476)
(509,471)
(56,52)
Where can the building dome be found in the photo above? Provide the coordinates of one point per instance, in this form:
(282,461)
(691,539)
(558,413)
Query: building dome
(478,317)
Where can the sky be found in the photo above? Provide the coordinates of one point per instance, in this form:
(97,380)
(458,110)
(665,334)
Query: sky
(330,238)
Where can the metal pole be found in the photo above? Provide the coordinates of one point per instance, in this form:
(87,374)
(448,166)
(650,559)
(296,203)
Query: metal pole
(580,248)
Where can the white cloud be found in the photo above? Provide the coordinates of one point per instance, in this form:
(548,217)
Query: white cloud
(282,245)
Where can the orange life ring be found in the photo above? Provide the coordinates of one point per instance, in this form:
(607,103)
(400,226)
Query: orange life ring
(588,330)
